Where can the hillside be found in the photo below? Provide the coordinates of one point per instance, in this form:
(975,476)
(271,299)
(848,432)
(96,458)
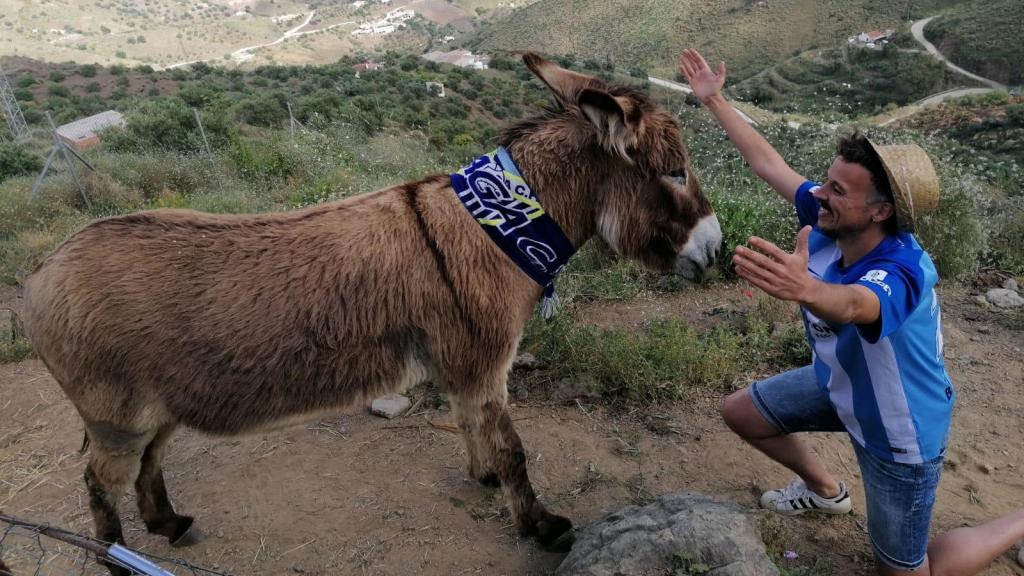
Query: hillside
(749,35)
(848,81)
(162,33)
(983,37)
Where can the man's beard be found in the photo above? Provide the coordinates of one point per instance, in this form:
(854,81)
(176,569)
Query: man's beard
(838,231)
(842,231)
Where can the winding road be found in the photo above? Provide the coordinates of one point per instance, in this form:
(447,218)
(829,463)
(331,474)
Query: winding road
(917,29)
(237,55)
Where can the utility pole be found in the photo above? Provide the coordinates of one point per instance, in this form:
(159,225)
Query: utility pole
(202,131)
(293,122)
(66,151)
(12,110)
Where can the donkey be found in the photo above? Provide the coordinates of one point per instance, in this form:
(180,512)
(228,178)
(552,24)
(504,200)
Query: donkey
(235,323)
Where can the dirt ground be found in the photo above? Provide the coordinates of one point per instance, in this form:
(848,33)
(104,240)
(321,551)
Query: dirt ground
(356,494)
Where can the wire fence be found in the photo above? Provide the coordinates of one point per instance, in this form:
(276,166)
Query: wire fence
(43,550)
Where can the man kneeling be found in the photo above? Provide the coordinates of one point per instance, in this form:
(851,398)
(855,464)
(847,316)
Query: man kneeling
(866,291)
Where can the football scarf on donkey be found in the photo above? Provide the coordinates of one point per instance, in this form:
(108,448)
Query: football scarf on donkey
(501,201)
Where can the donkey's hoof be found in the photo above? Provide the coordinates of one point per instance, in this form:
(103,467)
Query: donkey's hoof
(186,533)
(562,544)
(490,480)
(555,533)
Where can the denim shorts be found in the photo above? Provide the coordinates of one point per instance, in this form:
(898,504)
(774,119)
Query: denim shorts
(899,496)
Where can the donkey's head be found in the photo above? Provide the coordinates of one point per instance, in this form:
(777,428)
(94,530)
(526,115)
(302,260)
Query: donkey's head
(619,161)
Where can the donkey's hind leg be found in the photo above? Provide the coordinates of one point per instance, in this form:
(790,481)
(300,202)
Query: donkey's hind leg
(154,506)
(114,462)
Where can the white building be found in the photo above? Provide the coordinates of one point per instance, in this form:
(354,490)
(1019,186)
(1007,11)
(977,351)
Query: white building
(462,58)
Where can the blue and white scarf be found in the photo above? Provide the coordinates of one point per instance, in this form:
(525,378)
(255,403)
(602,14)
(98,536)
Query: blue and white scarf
(500,200)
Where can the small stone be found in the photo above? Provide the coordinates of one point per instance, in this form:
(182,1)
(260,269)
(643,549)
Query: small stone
(525,361)
(1004,298)
(987,468)
(390,406)
(984,330)
(975,339)
(220,532)
(579,387)
(980,299)
(1011,284)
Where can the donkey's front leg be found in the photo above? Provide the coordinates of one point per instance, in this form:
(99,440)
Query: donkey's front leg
(499,444)
(481,467)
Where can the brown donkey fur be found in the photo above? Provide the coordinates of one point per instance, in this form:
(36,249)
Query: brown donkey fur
(230,324)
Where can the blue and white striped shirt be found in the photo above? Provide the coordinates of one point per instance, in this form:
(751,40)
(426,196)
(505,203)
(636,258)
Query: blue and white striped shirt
(887,380)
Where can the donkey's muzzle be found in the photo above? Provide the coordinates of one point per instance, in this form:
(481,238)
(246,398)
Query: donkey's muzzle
(701,250)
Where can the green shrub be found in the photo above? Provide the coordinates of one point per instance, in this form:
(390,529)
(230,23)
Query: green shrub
(20,254)
(59,90)
(263,110)
(666,357)
(332,186)
(260,159)
(1015,113)
(57,76)
(1006,242)
(15,161)
(15,350)
(167,124)
(157,174)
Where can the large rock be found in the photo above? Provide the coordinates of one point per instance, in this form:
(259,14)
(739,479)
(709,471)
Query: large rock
(1004,298)
(644,539)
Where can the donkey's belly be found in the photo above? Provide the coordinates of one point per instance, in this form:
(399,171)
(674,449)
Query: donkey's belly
(273,406)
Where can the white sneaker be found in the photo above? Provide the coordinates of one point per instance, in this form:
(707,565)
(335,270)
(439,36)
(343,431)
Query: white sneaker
(796,499)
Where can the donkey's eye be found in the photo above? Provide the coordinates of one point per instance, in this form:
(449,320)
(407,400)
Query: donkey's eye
(678,176)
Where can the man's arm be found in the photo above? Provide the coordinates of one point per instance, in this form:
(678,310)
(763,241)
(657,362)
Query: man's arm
(764,160)
(784,276)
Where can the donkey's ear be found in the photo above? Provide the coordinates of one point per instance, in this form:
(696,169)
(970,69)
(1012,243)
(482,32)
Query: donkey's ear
(610,115)
(565,84)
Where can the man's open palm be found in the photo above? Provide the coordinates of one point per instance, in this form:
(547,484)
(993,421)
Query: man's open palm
(698,74)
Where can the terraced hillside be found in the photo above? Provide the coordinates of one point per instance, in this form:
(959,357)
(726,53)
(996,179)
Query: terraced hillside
(847,80)
(749,35)
(984,37)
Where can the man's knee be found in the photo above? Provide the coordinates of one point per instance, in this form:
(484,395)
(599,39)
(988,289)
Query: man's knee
(744,418)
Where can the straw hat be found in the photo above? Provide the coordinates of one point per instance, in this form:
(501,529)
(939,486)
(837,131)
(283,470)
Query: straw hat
(915,187)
